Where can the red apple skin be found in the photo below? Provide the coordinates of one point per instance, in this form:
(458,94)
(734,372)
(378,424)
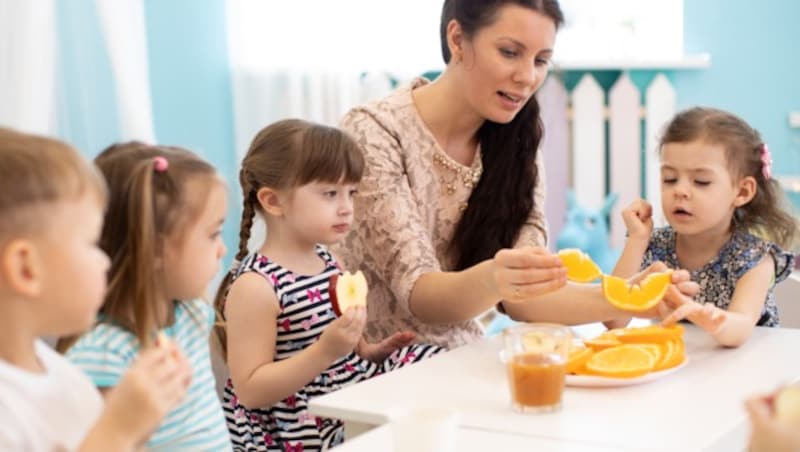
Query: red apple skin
(332,294)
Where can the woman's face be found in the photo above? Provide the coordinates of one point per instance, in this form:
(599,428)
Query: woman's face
(505,62)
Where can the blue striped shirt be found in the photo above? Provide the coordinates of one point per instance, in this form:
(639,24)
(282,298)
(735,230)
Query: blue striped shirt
(106,352)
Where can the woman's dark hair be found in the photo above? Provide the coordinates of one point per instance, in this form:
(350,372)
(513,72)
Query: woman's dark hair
(502,201)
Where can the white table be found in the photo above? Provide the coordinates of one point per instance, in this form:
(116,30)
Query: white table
(473,440)
(698,408)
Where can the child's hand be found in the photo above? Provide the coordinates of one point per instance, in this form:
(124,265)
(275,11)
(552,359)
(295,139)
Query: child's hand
(341,336)
(768,434)
(155,383)
(706,316)
(638,218)
(380,351)
(681,290)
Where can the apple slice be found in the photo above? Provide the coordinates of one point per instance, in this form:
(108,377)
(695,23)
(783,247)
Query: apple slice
(787,405)
(348,290)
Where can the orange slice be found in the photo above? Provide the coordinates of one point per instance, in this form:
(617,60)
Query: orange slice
(649,334)
(667,354)
(602,342)
(580,267)
(677,357)
(653,349)
(625,361)
(637,297)
(577,358)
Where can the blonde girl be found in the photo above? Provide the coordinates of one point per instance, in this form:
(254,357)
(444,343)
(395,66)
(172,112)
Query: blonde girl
(162,232)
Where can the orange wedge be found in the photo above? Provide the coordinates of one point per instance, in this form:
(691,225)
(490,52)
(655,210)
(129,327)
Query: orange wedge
(580,267)
(637,297)
(653,334)
(625,361)
(577,358)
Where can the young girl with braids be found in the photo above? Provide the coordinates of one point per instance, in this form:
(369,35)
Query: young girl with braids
(725,224)
(162,233)
(283,341)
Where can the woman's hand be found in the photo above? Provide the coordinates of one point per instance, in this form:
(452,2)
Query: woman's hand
(377,353)
(523,273)
(341,336)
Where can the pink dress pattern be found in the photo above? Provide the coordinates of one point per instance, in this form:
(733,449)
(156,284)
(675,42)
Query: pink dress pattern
(305,311)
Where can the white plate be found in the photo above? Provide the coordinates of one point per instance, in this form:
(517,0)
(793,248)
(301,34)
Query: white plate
(591,381)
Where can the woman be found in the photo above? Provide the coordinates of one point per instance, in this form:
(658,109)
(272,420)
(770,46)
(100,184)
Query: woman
(450,215)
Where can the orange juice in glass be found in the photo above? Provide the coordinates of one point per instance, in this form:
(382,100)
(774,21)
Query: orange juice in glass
(535,356)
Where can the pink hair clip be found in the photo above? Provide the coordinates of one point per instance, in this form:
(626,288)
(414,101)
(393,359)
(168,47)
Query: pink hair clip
(160,164)
(766,162)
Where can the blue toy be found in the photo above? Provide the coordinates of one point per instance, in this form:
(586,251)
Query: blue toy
(585,229)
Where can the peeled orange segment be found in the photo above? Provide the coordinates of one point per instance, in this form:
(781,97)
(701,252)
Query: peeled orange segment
(649,334)
(580,267)
(637,297)
(625,361)
(577,358)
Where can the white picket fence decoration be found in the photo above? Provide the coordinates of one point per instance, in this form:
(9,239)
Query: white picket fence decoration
(595,159)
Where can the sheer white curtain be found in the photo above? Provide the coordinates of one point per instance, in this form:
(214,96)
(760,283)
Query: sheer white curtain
(124,30)
(30,64)
(315,59)
(27,65)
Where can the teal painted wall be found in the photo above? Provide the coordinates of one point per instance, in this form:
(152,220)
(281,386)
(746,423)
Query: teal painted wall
(191,88)
(755,69)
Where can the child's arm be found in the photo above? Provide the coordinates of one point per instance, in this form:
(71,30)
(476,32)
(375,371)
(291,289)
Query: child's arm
(154,384)
(251,312)
(638,217)
(733,327)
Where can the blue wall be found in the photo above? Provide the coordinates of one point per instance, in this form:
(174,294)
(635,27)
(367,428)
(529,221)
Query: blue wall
(189,79)
(191,88)
(755,69)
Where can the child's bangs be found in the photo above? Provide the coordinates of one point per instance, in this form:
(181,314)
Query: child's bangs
(328,155)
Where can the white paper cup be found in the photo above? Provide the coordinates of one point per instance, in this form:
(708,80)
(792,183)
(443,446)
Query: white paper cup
(425,430)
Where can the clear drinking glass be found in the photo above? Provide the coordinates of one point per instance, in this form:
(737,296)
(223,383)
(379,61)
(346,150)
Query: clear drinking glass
(535,355)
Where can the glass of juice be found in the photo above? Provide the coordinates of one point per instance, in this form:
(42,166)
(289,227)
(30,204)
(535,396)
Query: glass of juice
(535,356)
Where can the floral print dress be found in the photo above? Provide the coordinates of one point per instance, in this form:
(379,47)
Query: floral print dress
(718,278)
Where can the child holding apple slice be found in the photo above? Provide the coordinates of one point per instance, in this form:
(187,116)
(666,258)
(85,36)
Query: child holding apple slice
(285,341)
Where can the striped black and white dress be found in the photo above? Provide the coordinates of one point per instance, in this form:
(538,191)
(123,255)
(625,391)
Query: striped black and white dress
(305,311)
